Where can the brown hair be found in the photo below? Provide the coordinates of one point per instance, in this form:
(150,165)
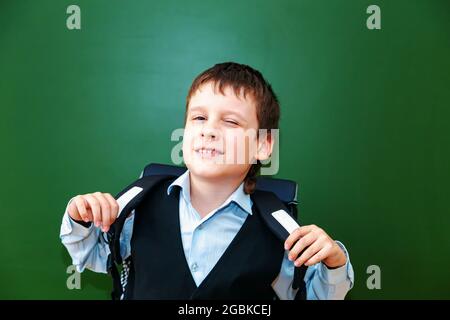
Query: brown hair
(246,80)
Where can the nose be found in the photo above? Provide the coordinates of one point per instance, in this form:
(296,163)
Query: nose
(209,132)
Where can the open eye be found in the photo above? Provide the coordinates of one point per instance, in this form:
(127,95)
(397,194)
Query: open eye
(199,118)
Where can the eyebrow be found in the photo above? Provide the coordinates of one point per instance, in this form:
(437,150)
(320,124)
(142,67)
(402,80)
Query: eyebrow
(202,108)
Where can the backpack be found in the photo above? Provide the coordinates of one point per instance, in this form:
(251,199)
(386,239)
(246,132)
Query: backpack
(276,200)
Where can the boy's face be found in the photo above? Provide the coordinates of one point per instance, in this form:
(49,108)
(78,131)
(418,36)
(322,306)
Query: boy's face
(218,142)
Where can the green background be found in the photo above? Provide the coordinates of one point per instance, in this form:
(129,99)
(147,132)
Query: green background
(364,126)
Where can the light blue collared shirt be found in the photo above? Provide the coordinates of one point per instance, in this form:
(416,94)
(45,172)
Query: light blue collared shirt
(204,241)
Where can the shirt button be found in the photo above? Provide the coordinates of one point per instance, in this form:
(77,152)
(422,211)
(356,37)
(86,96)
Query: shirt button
(194,267)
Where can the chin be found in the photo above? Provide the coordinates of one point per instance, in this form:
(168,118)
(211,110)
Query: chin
(207,169)
(213,171)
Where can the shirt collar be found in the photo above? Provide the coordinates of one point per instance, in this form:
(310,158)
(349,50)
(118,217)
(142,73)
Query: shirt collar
(238,196)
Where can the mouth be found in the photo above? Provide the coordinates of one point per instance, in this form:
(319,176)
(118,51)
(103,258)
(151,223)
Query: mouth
(208,152)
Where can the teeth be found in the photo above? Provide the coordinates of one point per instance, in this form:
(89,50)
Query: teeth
(207,152)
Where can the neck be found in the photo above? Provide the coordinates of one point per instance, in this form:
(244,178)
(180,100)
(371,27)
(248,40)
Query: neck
(207,195)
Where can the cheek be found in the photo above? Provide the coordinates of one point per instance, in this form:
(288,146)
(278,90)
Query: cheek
(241,145)
(187,142)
(231,140)
(191,135)
(191,131)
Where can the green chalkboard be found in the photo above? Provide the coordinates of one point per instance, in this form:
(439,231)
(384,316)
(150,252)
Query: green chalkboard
(364,124)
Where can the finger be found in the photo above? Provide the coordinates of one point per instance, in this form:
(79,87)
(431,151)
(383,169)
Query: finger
(105,210)
(308,253)
(297,234)
(80,204)
(114,206)
(95,208)
(301,244)
(72,209)
(319,256)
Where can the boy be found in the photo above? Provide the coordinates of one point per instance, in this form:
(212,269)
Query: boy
(210,242)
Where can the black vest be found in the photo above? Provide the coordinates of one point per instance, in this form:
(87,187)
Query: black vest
(159,268)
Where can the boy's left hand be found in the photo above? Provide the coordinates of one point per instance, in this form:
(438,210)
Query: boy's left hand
(317,246)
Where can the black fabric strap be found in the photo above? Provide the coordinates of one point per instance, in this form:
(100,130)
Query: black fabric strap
(267,203)
(113,235)
(146,183)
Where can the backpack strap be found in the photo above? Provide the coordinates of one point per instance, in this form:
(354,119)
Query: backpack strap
(128,199)
(279,219)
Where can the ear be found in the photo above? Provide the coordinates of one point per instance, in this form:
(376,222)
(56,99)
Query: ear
(265,145)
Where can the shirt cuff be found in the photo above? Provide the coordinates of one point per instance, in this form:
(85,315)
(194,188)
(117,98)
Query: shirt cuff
(74,228)
(337,275)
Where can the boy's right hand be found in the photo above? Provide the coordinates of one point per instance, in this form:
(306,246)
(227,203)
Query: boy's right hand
(100,208)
